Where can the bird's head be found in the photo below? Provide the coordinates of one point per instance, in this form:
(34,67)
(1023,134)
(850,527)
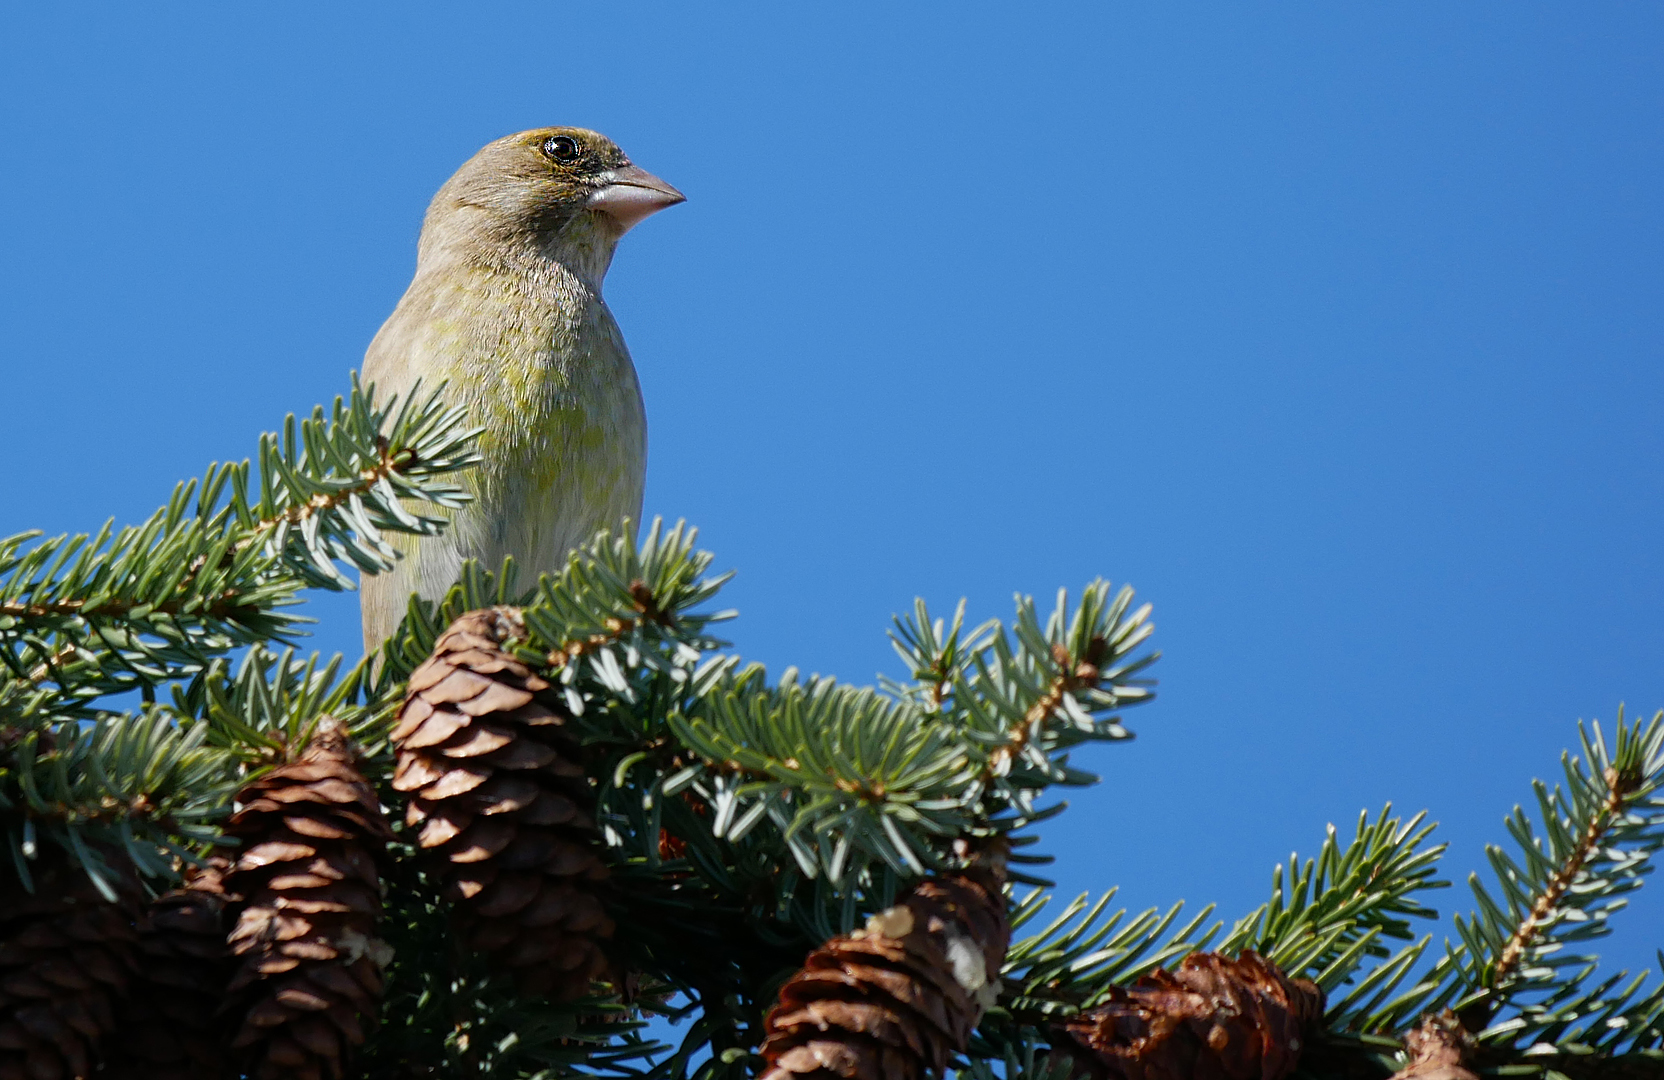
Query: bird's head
(555,185)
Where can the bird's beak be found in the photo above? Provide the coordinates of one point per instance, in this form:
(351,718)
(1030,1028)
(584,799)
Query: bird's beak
(632,194)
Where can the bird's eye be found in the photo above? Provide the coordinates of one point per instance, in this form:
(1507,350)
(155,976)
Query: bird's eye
(561,147)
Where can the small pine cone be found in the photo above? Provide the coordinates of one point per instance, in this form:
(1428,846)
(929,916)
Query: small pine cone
(897,1000)
(502,804)
(1438,1049)
(66,957)
(1212,1019)
(168,1027)
(309,982)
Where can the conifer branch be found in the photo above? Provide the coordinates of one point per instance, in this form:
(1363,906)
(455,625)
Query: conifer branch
(1074,961)
(213,569)
(223,604)
(1331,913)
(743,821)
(1515,975)
(853,778)
(937,654)
(1071,677)
(141,784)
(1599,833)
(1619,788)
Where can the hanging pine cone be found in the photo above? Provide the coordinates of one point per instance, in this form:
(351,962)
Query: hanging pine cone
(897,1000)
(309,982)
(501,801)
(66,957)
(167,1026)
(1212,1019)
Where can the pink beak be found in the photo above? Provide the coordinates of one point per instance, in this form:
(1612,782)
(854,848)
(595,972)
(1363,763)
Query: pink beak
(632,194)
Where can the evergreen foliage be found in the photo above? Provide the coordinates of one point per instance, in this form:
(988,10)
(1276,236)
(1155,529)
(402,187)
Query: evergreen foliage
(150,673)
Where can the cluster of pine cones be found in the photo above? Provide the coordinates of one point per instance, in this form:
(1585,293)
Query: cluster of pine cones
(899,999)
(266,965)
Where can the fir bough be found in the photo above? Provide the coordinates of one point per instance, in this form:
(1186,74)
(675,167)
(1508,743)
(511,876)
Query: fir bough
(744,822)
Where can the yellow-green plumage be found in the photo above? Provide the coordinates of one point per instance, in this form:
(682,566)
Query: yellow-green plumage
(506,308)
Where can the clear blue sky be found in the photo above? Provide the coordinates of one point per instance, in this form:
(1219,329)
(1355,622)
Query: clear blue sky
(1334,329)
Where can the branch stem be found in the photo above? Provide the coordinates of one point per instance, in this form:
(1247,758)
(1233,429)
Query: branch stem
(293,515)
(1066,681)
(1527,931)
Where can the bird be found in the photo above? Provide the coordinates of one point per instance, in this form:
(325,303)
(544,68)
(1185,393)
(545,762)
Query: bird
(505,310)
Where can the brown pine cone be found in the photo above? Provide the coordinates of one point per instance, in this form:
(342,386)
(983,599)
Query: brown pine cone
(1438,1049)
(66,957)
(897,1000)
(495,785)
(1212,1019)
(309,984)
(168,1027)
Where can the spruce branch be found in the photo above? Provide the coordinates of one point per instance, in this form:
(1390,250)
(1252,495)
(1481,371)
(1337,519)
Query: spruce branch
(86,616)
(214,569)
(1513,966)
(937,654)
(1624,780)
(746,820)
(141,784)
(1329,917)
(1599,832)
(854,778)
(1518,975)
(847,775)
(619,606)
(1036,691)
(1074,961)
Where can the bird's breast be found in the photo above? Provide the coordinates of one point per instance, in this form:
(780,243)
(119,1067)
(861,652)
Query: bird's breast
(539,363)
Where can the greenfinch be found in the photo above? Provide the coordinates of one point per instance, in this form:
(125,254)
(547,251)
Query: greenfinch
(505,310)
